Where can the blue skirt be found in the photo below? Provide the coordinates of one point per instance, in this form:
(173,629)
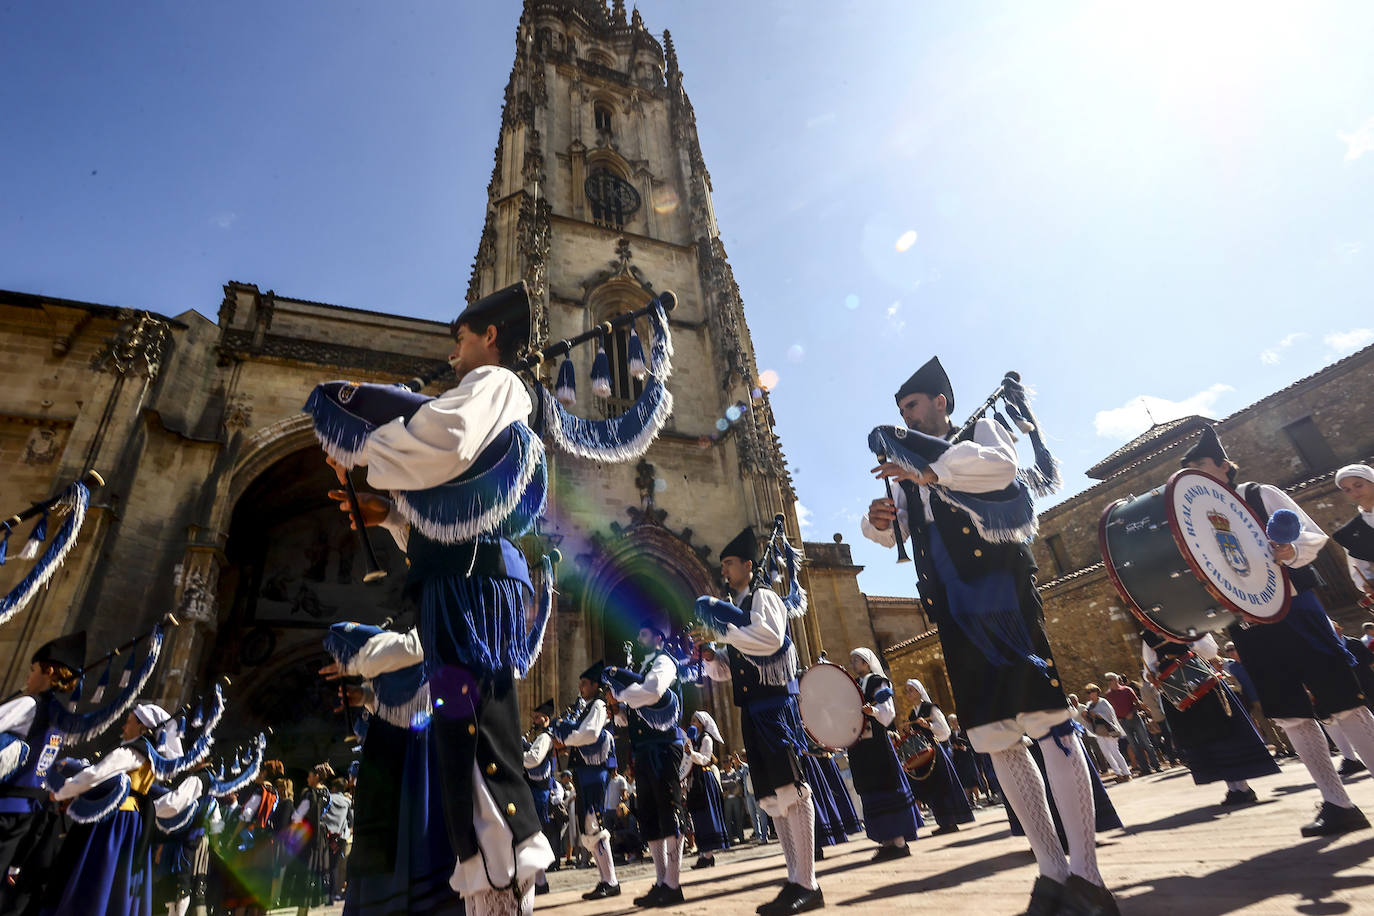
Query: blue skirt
(889,806)
(1217,739)
(415,878)
(96,872)
(942,790)
(836,818)
(707,808)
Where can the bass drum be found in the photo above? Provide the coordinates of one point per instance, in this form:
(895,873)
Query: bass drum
(1191,557)
(831,706)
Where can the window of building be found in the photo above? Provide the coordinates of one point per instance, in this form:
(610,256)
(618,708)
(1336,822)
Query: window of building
(624,386)
(613,199)
(602,115)
(1059,554)
(1311,445)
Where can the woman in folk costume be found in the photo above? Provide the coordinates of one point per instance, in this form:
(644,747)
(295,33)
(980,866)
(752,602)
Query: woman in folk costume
(467,474)
(890,815)
(104,866)
(307,883)
(33,729)
(250,847)
(401,858)
(704,801)
(937,784)
(1357,535)
(965,762)
(1217,739)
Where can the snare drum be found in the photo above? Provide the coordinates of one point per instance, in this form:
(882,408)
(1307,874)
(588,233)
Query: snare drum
(1191,557)
(914,750)
(831,706)
(1185,680)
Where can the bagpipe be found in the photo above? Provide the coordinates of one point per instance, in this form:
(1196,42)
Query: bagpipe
(1006,516)
(662,714)
(73,500)
(503,492)
(134,673)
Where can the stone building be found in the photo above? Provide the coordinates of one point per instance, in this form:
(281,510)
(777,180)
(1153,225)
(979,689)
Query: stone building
(215,503)
(1295,438)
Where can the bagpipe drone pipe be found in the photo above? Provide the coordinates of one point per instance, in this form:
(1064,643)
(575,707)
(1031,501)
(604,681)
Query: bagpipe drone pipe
(71,501)
(1008,515)
(503,492)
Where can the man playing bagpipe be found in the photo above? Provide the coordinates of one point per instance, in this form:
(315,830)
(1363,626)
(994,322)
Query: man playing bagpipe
(539,761)
(968,510)
(649,703)
(584,731)
(761,663)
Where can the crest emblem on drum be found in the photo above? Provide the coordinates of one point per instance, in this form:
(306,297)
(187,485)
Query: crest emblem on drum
(1229,544)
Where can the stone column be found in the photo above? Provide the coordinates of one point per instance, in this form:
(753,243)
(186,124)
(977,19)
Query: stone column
(196,579)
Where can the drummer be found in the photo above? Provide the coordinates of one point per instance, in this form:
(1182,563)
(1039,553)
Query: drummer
(1301,669)
(761,662)
(940,787)
(1217,739)
(982,595)
(890,816)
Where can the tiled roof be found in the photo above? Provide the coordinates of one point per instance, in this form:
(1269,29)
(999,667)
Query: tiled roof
(1150,440)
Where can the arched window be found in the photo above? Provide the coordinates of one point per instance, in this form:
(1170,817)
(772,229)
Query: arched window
(624,386)
(601,114)
(613,199)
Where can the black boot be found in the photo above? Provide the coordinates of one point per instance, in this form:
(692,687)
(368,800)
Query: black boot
(1333,819)
(1045,897)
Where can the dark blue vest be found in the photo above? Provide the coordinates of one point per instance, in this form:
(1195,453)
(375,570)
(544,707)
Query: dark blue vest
(746,685)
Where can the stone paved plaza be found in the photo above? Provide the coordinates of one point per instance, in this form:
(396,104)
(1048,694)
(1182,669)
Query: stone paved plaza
(1180,854)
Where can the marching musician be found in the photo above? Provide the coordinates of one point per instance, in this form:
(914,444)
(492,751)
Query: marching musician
(585,731)
(761,663)
(649,703)
(890,815)
(1357,535)
(1215,736)
(981,593)
(471,584)
(539,765)
(939,786)
(183,857)
(1301,669)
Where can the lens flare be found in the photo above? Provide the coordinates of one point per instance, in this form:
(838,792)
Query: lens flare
(906,240)
(732,413)
(851,302)
(768,379)
(796,353)
(722,424)
(665,199)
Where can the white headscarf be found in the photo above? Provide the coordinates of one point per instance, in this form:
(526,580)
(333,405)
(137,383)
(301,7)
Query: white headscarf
(1363,471)
(920,688)
(874,666)
(708,725)
(151,715)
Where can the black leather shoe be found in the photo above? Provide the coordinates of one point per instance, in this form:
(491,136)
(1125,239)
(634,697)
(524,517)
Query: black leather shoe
(1333,819)
(1045,897)
(1350,767)
(804,901)
(540,890)
(704,862)
(670,896)
(1083,898)
(789,890)
(1239,797)
(888,853)
(948,828)
(652,897)
(602,891)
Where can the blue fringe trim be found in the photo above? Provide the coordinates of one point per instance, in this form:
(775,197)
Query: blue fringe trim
(778,669)
(100,801)
(341,434)
(635,356)
(717,613)
(247,774)
(77,728)
(403,697)
(14,753)
(345,640)
(599,751)
(76,499)
(482,621)
(179,821)
(795,600)
(170,767)
(503,501)
(661,717)
(534,640)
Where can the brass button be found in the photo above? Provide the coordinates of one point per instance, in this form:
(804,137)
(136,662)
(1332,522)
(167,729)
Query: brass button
(491,769)
(745,689)
(977,551)
(930,602)
(968,530)
(465,688)
(1054,682)
(510,808)
(1049,663)
(472,729)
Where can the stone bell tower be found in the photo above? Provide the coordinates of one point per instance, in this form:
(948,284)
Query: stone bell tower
(600,199)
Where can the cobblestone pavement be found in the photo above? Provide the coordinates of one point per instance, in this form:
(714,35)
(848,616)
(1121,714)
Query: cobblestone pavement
(1181,854)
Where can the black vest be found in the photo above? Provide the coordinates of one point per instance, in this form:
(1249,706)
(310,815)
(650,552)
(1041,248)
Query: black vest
(1304,578)
(973,556)
(1357,537)
(744,677)
(871,687)
(640,731)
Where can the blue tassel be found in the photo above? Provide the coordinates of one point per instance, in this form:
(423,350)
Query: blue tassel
(81,727)
(1026,426)
(1002,422)
(1284,527)
(638,369)
(534,640)
(199,718)
(36,538)
(5,544)
(181,725)
(99,693)
(601,373)
(128,673)
(795,600)
(565,389)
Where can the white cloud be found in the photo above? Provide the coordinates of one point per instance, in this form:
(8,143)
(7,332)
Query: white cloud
(803,516)
(224,220)
(897,324)
(1274,354)
(1360,142)
(1346,342)
(1139,413)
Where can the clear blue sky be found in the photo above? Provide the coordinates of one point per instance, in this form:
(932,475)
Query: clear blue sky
(1169,201)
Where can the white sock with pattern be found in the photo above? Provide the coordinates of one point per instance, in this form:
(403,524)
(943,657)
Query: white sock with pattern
(1025,790)
(501,903)
(672,866)
(797,832)
(1310,744)
(1236,785)
(1073,796)
(1339,738)
(1358,725)
(658,852)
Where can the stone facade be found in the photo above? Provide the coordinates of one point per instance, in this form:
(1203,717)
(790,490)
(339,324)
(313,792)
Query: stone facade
(215,504)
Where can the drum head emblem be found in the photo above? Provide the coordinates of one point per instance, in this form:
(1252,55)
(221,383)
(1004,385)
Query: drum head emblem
(1231,551)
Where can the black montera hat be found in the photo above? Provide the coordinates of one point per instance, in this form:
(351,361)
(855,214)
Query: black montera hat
(545,709)
(593,673)
(745,546)
(931,380)
(505,308)
(1208,446)
(68,651)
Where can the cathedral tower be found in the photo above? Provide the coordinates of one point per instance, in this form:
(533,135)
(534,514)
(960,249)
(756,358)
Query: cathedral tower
(600,198)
